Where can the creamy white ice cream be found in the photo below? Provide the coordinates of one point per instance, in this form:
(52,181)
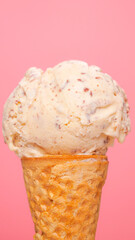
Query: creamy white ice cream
(72,108)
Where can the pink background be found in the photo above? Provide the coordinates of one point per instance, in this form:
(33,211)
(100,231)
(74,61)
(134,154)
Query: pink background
(43,33)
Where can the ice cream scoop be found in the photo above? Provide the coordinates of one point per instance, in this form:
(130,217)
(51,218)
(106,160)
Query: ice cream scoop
(70,109)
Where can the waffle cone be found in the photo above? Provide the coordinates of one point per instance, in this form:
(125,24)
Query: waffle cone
(64,195)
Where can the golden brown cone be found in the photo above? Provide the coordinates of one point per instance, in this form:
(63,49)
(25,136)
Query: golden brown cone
(64,195)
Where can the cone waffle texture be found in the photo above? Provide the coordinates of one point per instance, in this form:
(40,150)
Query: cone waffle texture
(64,195)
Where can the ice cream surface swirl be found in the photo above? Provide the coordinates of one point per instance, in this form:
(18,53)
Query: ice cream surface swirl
(72,108)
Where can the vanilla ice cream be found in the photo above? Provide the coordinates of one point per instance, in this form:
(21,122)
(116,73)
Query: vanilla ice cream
(72,108)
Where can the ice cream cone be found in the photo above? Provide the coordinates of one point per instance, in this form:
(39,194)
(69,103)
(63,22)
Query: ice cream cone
(64,195)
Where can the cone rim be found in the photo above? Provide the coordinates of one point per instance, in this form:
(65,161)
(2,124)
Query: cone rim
(66,157)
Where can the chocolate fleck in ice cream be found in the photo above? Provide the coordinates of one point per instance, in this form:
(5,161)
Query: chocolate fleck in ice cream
(60,123)
(72,108)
